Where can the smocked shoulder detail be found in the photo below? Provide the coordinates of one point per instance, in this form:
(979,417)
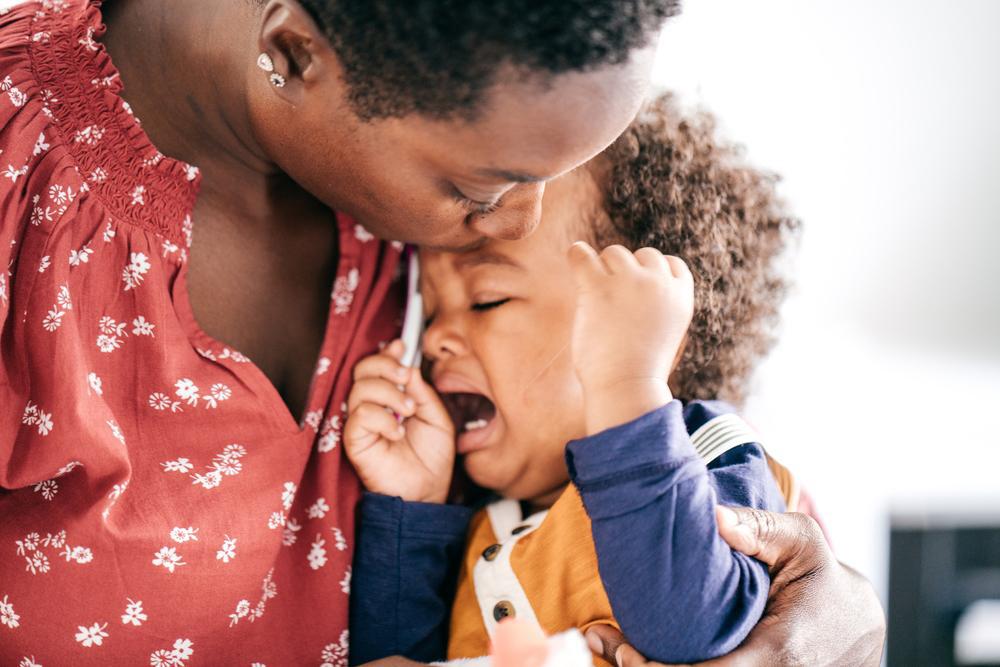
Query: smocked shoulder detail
(80,88)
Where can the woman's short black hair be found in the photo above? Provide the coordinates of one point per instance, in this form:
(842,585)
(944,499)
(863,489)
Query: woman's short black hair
(438,57)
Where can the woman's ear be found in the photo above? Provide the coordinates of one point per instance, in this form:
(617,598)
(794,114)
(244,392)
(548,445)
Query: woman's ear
(296,47)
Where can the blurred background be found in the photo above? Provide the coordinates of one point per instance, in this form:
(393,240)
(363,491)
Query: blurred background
(882,394)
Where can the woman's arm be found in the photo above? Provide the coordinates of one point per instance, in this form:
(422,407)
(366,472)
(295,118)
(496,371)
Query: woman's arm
(819,611)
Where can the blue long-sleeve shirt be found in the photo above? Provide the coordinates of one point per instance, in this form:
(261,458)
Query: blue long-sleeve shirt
(679,592)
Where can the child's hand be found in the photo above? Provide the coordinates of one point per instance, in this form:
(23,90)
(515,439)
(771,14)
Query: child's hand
(412,459)
(632,314)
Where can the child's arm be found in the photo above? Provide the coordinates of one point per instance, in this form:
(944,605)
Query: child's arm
(679,592)
(677,589)
(409,543)
(403,579)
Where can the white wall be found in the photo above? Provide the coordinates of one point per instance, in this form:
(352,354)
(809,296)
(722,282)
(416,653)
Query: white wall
(884,118)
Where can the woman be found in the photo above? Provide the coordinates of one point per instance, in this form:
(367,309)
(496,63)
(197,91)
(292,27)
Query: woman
(164,498)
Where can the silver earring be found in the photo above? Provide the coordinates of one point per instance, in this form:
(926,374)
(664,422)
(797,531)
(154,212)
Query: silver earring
(265,63)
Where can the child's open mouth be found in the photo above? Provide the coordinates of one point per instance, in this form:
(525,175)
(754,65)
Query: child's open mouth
(474,416)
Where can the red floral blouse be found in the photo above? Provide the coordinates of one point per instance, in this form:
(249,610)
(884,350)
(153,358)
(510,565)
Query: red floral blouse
(159,505)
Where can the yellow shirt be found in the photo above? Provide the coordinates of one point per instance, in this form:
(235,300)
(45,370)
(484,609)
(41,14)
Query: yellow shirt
(543,569)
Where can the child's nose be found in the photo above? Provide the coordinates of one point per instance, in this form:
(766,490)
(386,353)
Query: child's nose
(443,339)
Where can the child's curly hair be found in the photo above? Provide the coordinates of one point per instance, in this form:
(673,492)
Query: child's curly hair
(668,183)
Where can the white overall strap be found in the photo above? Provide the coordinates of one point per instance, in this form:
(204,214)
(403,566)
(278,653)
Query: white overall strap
(717,436)
(494,580)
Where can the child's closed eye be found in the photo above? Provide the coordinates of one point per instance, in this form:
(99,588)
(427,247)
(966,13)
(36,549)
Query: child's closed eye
(489,305)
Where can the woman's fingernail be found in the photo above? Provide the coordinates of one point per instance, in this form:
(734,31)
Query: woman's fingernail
(595,643)
(409,404)
(727,517)
(618,655)
(736,530)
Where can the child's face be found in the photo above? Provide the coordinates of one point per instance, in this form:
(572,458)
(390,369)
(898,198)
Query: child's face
(501,326)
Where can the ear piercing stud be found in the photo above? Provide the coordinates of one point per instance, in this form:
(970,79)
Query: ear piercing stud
(265,63)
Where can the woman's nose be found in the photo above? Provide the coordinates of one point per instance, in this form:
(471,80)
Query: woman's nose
(517,216)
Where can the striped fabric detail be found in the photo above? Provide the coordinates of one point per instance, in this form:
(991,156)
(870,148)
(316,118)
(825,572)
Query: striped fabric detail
(717,436)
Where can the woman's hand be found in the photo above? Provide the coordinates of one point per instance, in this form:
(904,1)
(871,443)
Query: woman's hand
(410,456)
(819,611)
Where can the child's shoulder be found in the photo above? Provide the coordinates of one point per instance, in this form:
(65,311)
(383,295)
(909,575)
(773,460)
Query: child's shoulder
(699,413)
(715,427)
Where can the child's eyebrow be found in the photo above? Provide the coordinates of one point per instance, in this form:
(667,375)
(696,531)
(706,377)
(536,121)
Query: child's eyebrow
(476,258)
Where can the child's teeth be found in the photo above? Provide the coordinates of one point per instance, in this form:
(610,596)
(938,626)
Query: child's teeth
(478,424)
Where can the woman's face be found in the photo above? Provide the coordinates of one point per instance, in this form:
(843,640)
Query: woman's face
(451,183)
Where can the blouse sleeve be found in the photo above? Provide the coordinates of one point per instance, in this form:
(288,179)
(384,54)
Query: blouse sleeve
(32,162)
(29,164)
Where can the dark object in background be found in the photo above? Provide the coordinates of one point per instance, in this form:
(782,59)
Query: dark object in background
(942,573)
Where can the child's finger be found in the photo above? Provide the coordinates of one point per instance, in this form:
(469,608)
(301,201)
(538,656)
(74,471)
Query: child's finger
(381,392)
(384,365)
(370,418)
(395,349)
(585,264)
(618,258)
(651,258)
(678,267)
(429,406)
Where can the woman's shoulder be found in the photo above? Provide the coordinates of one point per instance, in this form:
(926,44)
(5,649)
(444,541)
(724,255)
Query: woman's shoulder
(63,123)
(34,37)
(39,176)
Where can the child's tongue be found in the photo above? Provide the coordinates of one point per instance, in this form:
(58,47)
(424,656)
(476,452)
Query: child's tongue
(469,412)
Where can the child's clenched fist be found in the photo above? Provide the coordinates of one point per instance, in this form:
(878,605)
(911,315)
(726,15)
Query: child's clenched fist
(632,314)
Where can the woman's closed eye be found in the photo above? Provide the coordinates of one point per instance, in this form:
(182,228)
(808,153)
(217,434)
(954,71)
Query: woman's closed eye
(479,207)
(476,206)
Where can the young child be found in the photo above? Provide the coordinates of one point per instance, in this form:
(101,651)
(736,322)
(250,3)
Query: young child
(580,388)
